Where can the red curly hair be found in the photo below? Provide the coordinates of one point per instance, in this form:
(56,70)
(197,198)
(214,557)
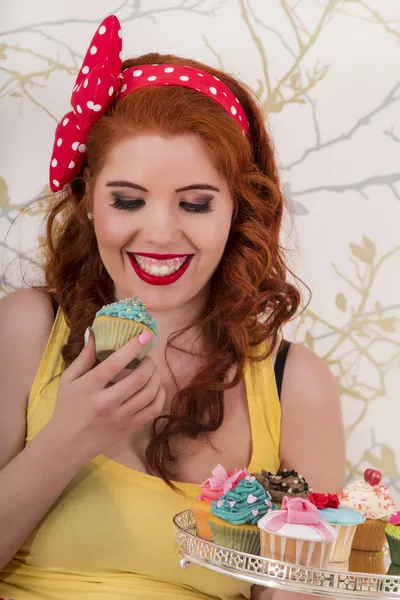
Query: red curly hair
(251,279)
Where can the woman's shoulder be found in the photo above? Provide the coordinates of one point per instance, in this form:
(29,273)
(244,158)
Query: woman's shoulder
(29,307)
(26,318)
(312,425)
(307,373)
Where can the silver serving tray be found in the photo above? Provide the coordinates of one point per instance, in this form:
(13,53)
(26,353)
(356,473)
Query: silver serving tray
(271,573)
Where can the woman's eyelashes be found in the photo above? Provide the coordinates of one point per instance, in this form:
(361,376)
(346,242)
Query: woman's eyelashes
(125,204)
(203,205)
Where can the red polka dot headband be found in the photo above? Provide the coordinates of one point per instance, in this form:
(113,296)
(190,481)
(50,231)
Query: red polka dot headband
(100,82)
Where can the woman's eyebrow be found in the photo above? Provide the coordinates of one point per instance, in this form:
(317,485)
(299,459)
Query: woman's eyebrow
(186,188)
(127,184)
(198,186)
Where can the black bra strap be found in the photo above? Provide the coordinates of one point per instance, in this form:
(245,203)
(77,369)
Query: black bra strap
(55,303)
(280,365)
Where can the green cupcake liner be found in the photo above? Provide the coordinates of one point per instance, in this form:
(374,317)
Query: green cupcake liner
(236,538)
(394,569)
(394,547)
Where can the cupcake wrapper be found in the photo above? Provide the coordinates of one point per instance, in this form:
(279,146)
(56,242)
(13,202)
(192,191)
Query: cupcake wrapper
(298,552)
(202,512)
(393,569)
(236,538)
(342,545)
(370,536)
(111,333)
(362,561)
(394,547)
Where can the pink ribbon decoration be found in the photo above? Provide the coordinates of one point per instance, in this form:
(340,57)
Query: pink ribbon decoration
(221,482)
(395,518)
(100,83)
(298,511)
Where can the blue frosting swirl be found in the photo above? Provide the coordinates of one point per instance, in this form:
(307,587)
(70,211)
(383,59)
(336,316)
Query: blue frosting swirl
(129,308)
(342,516)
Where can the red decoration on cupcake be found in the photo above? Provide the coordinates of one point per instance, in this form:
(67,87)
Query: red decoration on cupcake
(395,518)
(322,501)
(372,476)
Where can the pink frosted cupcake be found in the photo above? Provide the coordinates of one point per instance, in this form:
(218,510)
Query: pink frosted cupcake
(297,534)
(211,490)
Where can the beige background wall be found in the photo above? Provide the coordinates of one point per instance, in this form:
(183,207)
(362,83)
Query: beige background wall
(327,73)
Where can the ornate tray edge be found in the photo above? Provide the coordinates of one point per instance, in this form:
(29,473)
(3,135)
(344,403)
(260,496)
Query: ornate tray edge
(270,573)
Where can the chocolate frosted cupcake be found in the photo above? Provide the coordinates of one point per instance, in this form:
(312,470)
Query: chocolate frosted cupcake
(284,483)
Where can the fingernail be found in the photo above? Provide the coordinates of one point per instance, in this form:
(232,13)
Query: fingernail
(88,331)
(144,337)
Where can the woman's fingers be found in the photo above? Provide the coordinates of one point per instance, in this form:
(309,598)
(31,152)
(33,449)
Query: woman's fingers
(132,384)
(107,370)
(151,411)
(83,362)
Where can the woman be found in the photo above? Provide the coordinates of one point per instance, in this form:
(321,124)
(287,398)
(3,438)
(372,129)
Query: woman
(170,192)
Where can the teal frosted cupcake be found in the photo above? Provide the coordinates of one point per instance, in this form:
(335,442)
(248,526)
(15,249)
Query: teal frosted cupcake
(235,515)
(117,323)
(392,532)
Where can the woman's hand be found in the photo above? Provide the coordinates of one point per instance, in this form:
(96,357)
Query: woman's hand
(94,414)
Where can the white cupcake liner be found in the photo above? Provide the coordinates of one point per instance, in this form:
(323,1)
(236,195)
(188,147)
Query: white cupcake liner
(300,552)
(342,545)
(111,333)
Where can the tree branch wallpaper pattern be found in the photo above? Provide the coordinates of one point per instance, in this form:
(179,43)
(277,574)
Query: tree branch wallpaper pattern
(326,73)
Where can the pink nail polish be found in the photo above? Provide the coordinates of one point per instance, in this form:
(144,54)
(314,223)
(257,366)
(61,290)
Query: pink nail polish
(144,337)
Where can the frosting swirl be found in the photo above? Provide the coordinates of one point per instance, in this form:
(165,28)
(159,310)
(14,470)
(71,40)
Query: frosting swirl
(221,481)
(245,503)
(372,501)
(129,308)
(342,516)
(285,483)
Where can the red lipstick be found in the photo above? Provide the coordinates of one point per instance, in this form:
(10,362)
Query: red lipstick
(164,279)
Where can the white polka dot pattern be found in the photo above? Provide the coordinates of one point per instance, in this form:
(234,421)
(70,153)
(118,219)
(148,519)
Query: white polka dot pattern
(186,76)
(95,89)
(93,95)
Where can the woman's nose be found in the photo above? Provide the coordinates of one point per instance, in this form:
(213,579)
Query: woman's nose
(163,227)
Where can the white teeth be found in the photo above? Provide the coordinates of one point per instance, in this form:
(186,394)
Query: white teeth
(160,268)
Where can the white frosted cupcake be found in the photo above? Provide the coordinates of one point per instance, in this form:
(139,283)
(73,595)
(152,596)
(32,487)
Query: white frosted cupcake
(297,534)
(372,499)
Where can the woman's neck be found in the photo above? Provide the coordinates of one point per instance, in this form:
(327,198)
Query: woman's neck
(174,320)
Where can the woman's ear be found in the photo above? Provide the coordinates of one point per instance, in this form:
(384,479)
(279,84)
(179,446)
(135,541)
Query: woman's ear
(87,177)
(88,190)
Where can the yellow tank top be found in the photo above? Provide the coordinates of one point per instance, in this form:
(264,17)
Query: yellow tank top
(110,534)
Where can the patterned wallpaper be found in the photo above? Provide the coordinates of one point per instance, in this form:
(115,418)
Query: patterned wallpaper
(326,72)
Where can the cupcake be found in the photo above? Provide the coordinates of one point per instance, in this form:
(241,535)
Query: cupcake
(211,490)
(392,532)
(343,520)
(284,483)
(297,534)
(115,324)
(367,562)
(372,499)
(235,515)
(394,570)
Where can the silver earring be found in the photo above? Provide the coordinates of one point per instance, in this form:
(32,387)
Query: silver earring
(90,216)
